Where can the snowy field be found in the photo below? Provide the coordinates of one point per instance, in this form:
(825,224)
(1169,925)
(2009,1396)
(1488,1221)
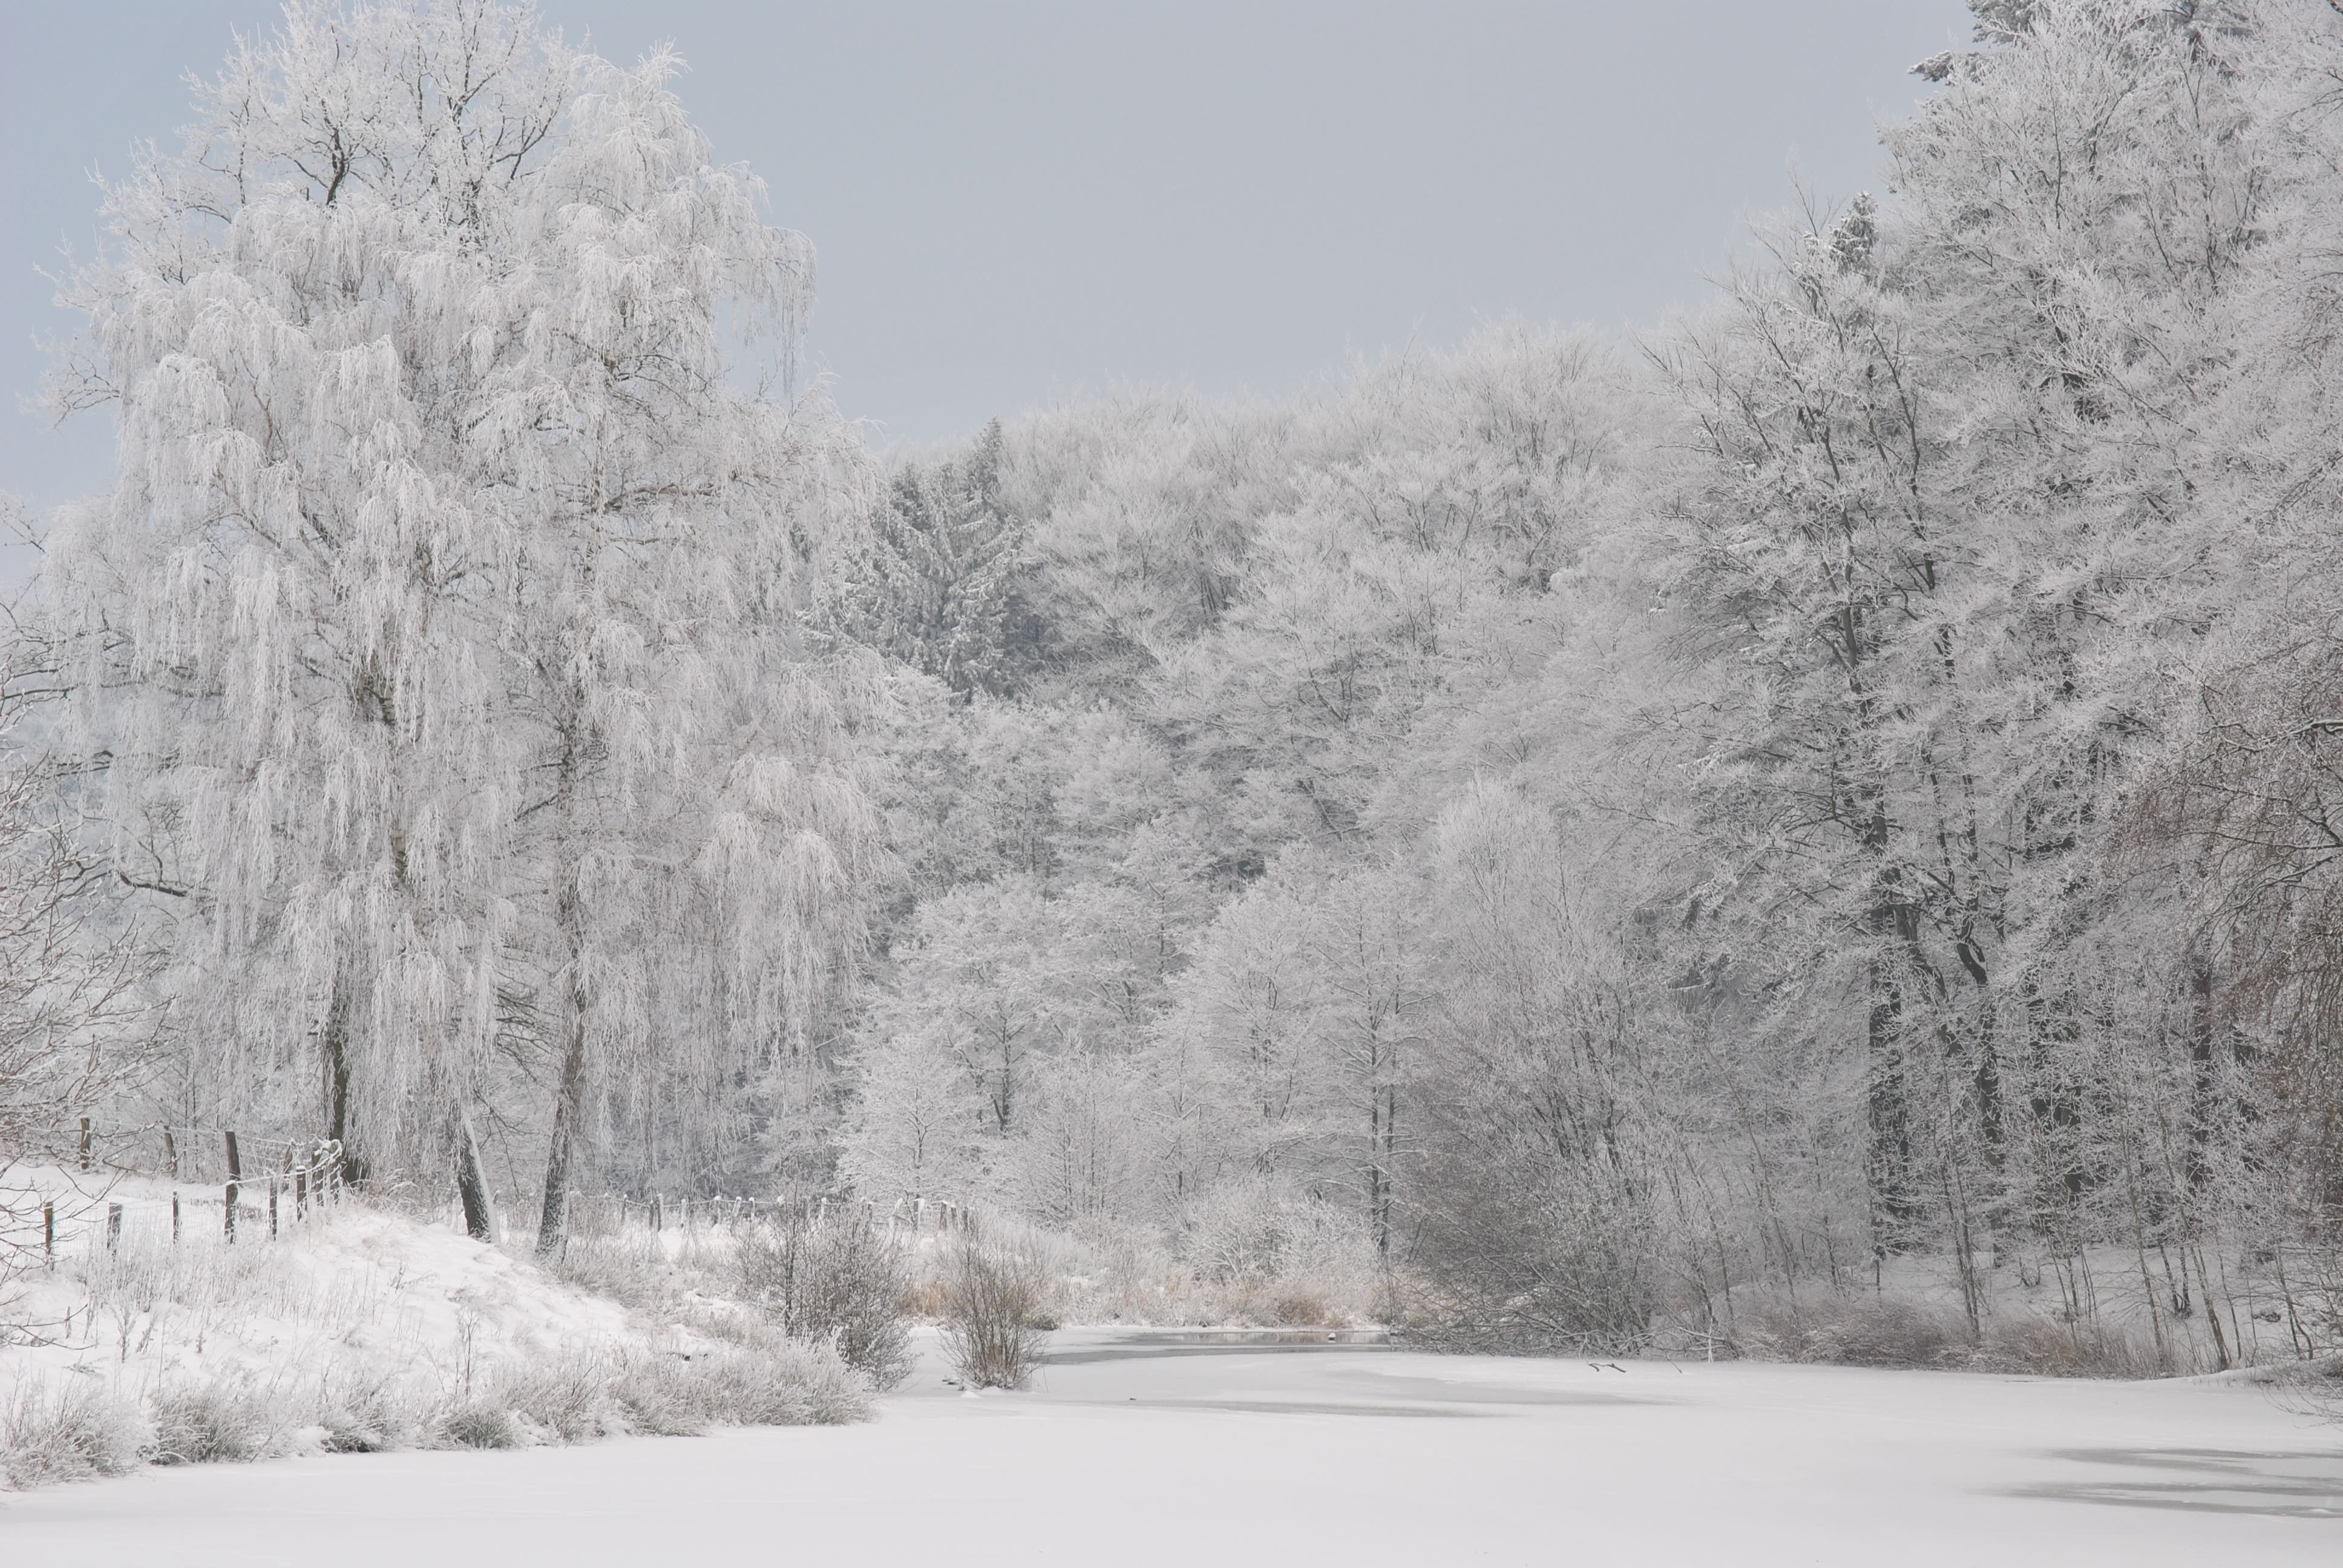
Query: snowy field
(1145,1448)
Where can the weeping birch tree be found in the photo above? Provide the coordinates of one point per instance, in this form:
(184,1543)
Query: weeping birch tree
(439,636)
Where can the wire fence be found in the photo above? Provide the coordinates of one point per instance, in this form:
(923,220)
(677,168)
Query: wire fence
(614,1213)
(253,1187)
(247,1187)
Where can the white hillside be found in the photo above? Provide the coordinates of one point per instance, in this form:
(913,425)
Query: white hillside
(357,1328)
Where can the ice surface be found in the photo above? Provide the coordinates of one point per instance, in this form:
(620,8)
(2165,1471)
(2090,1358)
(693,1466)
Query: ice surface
(1148,1451)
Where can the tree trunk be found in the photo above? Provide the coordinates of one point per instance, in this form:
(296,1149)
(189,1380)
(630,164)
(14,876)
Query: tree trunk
(1888,1158)
(569,1095)
(333,1045)
(472,1180)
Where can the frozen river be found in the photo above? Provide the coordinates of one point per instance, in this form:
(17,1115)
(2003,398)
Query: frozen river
(1148,1449)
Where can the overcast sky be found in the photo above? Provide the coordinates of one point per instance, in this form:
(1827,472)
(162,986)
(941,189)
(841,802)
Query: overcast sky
(1020,203)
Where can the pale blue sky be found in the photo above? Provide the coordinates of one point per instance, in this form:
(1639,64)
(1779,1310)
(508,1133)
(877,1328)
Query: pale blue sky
(1018,203)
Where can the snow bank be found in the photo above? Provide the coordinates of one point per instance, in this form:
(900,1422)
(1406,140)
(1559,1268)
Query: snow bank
(354,1328)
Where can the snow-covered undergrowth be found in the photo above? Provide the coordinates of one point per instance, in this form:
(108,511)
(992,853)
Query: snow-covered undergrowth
(1268,1264)
(357,1329)
(1236,1272)
(2096,1314)
(1239,1269)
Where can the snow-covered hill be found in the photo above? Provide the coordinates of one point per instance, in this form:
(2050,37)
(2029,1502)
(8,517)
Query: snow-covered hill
(355,1328)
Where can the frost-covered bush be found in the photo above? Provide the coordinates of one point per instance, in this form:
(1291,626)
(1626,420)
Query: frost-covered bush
(562,1398)
(76,1431)
(596,1390)
(781,1382)
(839,1279)
(2313,1388)
(1866,1328)
(2045,1347)
(225,1420)
(360,1413)
(1268,1237)
(479,1423)
(661,1395)
(993,1298)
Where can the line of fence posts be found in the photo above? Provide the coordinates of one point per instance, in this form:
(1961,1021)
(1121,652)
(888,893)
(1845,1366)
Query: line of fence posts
(315,1176)
(310,1170)
(657,1211)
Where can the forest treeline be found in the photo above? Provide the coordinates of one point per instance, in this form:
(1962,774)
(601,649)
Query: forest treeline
(1852,775)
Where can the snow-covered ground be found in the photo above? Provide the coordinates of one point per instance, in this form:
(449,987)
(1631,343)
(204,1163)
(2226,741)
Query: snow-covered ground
(357,1327)
(366,1288)
(1139,1448)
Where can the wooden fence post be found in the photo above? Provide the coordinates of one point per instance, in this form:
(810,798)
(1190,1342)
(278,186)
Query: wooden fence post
(175,1218)
(235,1169)
(113,1226)
(272,1208)
(49,1234)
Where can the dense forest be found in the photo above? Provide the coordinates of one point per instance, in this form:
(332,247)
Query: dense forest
(1598,828)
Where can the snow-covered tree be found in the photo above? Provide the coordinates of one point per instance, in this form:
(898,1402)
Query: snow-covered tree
(936,583)
(440,636)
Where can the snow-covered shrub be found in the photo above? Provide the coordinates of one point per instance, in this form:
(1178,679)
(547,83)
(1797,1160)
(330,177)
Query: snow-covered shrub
(994,1295)
(1290,1254)
(479,1423)
(839,1279)
(588,1392)
(75,1430)
(660,1395)
(2029,1343)
(229,1420)
(2312,1388)
(627,1267)
(780,1382)
(565,1397)
(1919,1331)
(361,1414)
(1851,1330)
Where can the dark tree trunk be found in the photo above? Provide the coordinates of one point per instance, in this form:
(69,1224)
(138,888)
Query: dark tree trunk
(472,1181)
(334,1048)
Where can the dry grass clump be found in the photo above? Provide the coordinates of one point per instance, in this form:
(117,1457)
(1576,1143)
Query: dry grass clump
(610,1391)
(224,1421)
(363,1411)
(2027,1343)
(651,1271)
(76,1431)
